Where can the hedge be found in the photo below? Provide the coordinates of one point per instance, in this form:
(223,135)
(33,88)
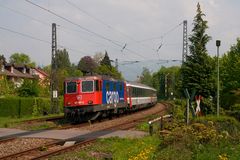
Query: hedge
(20,107)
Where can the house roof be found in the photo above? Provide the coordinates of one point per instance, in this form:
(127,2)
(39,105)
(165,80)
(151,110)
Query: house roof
(41,71)
(15,72)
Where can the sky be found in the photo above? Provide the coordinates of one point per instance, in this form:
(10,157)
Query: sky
(147,31)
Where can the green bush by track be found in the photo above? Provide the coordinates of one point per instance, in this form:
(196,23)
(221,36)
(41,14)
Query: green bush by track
(20,107)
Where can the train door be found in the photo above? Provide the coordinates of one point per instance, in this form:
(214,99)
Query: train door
(129,95)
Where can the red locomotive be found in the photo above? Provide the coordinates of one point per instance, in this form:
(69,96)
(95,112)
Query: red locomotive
(89,97)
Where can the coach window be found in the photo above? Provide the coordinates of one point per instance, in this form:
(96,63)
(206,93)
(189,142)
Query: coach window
(87,86)
(71,87)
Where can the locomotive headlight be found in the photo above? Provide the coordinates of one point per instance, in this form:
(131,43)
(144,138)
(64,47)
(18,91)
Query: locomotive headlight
(68,103)
(90,102)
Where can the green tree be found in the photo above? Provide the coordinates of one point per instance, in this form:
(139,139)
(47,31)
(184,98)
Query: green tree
(21,58)
(74,71)
(2,59)
(198,69)
(230,77)
(146,77)
(62,59)
(106,70)
(106,60)
(167,80)
(62,75)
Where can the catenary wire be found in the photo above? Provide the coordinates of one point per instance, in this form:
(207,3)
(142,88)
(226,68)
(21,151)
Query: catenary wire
(83,28)
(38,39)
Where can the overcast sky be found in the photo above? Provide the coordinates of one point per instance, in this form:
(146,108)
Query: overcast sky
(99,25)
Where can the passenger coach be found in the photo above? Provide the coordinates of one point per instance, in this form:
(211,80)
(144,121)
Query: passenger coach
(140,95)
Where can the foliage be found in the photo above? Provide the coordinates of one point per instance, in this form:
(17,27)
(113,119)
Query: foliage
(118,148)
(206,138)
(198,69)
(229,76)
(2,60)
(6,87)
(146,77)
(21,58)
(167,77)
(109,71)
(62,59)
(29,88)
(61,75)
(73,71)
(106,61)
(87,65)
(25,106)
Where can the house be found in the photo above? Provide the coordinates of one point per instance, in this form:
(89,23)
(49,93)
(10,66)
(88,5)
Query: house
(17,73)
(42,75)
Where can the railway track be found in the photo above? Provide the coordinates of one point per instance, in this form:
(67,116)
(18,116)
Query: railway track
(58,146)
(56,118)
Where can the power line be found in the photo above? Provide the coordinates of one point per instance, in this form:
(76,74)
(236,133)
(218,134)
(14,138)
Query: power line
(45,23)
(102,22)
(163,35)
(17,12)
(83,28)
(38,39)
(25,35)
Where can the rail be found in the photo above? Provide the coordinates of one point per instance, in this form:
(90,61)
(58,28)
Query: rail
(156,120)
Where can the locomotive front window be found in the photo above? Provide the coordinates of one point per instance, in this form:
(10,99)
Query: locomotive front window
(71,87)
(87,86)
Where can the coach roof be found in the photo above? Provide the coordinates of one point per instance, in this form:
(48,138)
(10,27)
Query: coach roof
(139,85)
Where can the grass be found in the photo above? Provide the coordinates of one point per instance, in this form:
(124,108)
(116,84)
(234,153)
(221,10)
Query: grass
(13,122)
(117,148)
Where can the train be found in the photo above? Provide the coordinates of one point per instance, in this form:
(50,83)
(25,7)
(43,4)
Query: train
(90,97)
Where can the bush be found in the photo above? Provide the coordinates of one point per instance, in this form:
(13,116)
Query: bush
(222,123)
(19,106)
(29,88)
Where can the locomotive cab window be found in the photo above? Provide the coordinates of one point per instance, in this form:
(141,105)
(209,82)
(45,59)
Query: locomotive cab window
(87,86)
(71,87)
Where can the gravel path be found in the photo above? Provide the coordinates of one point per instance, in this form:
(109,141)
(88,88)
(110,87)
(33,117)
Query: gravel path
(21,144)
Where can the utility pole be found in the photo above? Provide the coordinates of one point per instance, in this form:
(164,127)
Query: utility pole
(185,42)
(116,64)
(166,85)
(218,43)
(54,81)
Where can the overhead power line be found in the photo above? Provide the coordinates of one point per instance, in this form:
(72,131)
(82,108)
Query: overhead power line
(25,15)
(47,24)
(83,28)
(24,35)
(102,22)
(38,39)
(163,35)
(73,23)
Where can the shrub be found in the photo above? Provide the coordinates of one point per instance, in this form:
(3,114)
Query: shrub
(29,88)
(23,106)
